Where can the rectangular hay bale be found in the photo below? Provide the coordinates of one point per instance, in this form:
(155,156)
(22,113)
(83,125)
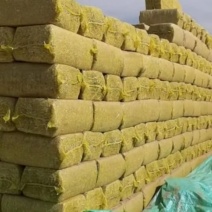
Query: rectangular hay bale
(52,117)
(63,13)
(151,152)
(107,59)
(92,22)
(114,87)
(112,143)
(133,64)
(95,199)
(10,178)
(128,187)
(7,109)
(6,39)
(133,160)
(130,89)
(105,175)
(43,44)
(112,194)
(39,151)
(170,32)
(12,203)
(137,112)
(93,86)
(40,80)
(93,143)
(107,116)
(150,17)
(58,185)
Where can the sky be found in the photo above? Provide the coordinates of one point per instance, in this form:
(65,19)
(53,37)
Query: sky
(128,10)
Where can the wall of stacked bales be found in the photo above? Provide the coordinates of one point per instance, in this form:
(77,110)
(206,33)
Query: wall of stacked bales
(95,113)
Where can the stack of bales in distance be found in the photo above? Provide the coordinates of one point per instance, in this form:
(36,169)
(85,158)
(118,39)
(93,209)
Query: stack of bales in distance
(94,113)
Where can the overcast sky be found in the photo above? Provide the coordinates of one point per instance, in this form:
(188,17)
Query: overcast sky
(128,10)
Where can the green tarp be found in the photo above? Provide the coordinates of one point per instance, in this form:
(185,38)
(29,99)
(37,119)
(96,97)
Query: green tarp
(190,194)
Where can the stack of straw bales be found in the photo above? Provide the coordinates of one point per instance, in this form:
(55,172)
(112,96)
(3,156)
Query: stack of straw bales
(94,113)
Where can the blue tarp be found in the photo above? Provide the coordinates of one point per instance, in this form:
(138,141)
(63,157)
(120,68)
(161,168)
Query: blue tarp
(190,194)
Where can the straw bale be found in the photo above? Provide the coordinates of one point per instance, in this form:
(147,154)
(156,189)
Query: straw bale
(178,143)
(58,185)
(188,108)
(163,4)
(190,74)
(148,192)
(63,13)
(161,126)
(187,22)
(128,187)
(92,22)
(165,51)
(190,58)
(137,112)
(151,152)
(175,53)
(188,137)
(133,159)
(112,143)
(210,55)
(183,55)
(179,73)
(150,17)
(38,151)
(189,40)
(107,58)
(140,134)
(150,131)
(129,32)
(107,116)
(203,136)
(6,39)
(10,177)
(43,44)
(170,128)
(94,199)
(12,203)
(147,89)
(166,70)
(105,174)
(40,80)
(92,145)
(130,89)
(114,88)
(168,31)
(114,32)
(129,139)
(153,171)
(201,49)
(112,194)
(199,79)
(154,48)
(133,64)
(165,147)
(93,86)
(142,26)
(196,137)
(150,67)
(174,91)
(51,117)
(178,109)
(140,176)
(166,108)
(135,203)
(165,90)
(7,107)
(143,42)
